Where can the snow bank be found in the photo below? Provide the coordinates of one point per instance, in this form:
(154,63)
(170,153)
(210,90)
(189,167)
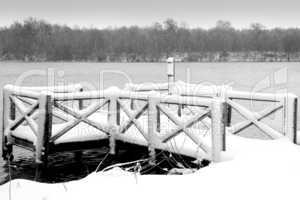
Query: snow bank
(259,169)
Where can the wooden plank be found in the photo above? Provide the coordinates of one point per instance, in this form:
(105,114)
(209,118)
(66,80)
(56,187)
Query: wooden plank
(23,143)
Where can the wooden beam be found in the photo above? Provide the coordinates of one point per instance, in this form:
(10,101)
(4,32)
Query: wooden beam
(290,117)
(152,125)
(55,113)
(79,118)
(187,124)
(269,132)
(113,123)
(80,101)
(235,129)
(21,108)
(133,116)
(134,120)
(21,119)
(218,133)
(44,127)
(178,122)
(8,116)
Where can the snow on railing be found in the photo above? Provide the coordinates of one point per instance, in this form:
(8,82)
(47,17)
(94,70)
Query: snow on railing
(120,118)
(280,101)
(55,89)
(26,105)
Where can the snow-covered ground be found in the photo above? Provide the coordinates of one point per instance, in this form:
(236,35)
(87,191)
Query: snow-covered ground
(252,169)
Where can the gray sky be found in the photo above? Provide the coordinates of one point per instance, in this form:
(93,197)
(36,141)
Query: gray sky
(196,13)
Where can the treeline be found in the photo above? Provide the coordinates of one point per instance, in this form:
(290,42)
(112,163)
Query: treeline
(37,40)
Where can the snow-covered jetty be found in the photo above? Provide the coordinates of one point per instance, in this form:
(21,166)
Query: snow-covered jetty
(190,120)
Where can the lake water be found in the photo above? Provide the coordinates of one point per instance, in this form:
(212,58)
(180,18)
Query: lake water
(264,77)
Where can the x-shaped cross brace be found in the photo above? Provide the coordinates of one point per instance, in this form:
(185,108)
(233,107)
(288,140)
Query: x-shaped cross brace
(25,115)
(133,116)
(60,115)
(79,117)
(255,119)
(183,127)
(206,121)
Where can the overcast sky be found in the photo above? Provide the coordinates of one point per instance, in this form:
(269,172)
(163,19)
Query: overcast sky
(114,13)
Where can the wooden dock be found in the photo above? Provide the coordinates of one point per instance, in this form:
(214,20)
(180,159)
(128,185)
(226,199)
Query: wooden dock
(242,103)
(46,120)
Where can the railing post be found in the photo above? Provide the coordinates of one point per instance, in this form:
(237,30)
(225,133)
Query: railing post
(222,92)
(157,120)
(114,121)
(218,134)
(179,110)
(9,114)
(290,119)
(152,127)
(133,104)
(229,115)
(44,127)
(80,101)
(78,154)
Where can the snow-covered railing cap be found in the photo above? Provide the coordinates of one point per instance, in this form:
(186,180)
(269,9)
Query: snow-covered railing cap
(34,92)
(19,91)
(55,88)
(200,90)
(147,87)
(124,94)
(207,91)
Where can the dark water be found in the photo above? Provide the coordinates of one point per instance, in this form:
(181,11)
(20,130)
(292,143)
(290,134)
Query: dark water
(67,166)
(62,166)
(269,77)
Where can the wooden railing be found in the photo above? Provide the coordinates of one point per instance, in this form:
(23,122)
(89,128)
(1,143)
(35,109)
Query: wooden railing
(27,105)
(148,118)
(287,102)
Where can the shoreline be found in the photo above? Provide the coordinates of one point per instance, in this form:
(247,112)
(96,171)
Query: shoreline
(80,61)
